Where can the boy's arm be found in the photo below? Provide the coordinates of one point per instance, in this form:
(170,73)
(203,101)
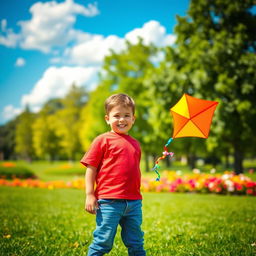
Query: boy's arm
(91,203)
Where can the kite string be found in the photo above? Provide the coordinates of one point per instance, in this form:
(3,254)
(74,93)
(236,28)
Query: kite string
(165,154)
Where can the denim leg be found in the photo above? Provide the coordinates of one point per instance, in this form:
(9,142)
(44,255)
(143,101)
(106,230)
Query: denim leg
(131,233)
(107,219)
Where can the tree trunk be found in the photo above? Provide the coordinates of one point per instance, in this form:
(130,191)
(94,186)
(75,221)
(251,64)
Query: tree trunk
(1,156)
(227,164)
(168,161)
(192,161)
(238,159)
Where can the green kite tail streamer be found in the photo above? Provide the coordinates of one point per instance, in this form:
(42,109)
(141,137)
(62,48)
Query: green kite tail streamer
(165,153)
(155,168)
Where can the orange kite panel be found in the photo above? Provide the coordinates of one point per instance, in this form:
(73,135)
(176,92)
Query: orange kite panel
(179,122)
(196,106)
(190,130)
(203,121)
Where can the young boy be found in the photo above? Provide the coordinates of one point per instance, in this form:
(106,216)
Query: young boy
(113,163)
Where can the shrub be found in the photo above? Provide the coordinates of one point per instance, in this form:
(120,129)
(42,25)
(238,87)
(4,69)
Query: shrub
(13,171)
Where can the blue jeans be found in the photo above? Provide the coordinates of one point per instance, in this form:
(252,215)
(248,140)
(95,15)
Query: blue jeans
(126,213)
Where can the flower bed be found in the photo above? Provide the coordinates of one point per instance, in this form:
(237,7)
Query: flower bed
(227,183)
(35,183)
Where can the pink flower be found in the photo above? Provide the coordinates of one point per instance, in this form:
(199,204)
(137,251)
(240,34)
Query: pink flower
(238,187)
(218,190)
(251,171)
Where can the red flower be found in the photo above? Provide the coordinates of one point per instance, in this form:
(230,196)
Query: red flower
(249,191)
(238,187)
(250,184)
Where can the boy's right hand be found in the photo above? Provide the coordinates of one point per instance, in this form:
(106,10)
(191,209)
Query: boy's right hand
(91,204)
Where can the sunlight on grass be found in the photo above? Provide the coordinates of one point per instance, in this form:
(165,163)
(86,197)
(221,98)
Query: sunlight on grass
(43,222)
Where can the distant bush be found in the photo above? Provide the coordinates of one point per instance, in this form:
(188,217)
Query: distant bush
(11,171)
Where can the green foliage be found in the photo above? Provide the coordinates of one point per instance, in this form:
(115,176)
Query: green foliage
(7,139)
(174,224)
(64,125)
(24,134)
(45,140)
(92,116)
(12,172)
(216,49)
(52,106)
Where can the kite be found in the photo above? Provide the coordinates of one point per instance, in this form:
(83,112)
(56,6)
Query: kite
(192,117)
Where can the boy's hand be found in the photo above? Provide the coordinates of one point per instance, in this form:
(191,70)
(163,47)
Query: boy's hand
(91,204)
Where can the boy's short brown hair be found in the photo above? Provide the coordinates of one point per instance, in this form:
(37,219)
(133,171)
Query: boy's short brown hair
(119,99)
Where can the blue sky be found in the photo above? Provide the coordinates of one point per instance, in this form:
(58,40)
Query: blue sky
(46,46)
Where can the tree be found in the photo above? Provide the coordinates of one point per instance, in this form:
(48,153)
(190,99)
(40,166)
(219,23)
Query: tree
(7,140)
(46,143)
(215,48)
(24,134)
(52,106)
(66,121)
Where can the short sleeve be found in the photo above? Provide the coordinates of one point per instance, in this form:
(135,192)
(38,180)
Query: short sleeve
(95,153)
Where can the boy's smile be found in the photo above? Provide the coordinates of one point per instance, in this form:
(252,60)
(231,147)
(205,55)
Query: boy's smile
(120,119)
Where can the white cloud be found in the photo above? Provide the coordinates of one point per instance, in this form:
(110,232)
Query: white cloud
(51,26)
(151,32)
(20,62)
(10,112)
(93,48)
(3,25)
(56,82)
(7,37)
(93,51)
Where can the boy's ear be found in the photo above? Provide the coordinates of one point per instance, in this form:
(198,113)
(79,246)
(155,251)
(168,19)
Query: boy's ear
(133,120)
(107,119)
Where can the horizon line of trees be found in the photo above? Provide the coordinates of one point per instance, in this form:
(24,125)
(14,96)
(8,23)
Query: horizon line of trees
(213,58)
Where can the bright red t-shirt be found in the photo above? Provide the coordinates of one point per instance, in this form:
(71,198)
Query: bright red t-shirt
(117,159)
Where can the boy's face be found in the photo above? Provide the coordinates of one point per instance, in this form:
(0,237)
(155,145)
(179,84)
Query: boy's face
(120,119)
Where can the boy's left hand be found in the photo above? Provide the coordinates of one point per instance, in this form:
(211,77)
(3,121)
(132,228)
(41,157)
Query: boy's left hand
(91,204)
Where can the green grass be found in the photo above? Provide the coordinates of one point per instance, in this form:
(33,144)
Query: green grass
(48,171)
(53,222)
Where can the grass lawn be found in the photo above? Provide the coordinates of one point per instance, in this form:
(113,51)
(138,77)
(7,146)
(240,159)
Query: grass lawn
(57,170)
(53,222)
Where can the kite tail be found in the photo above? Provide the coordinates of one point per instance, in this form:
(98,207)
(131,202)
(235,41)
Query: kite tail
(165,153)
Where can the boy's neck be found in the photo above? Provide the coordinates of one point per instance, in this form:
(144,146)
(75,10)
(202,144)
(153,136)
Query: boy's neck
(120,133)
